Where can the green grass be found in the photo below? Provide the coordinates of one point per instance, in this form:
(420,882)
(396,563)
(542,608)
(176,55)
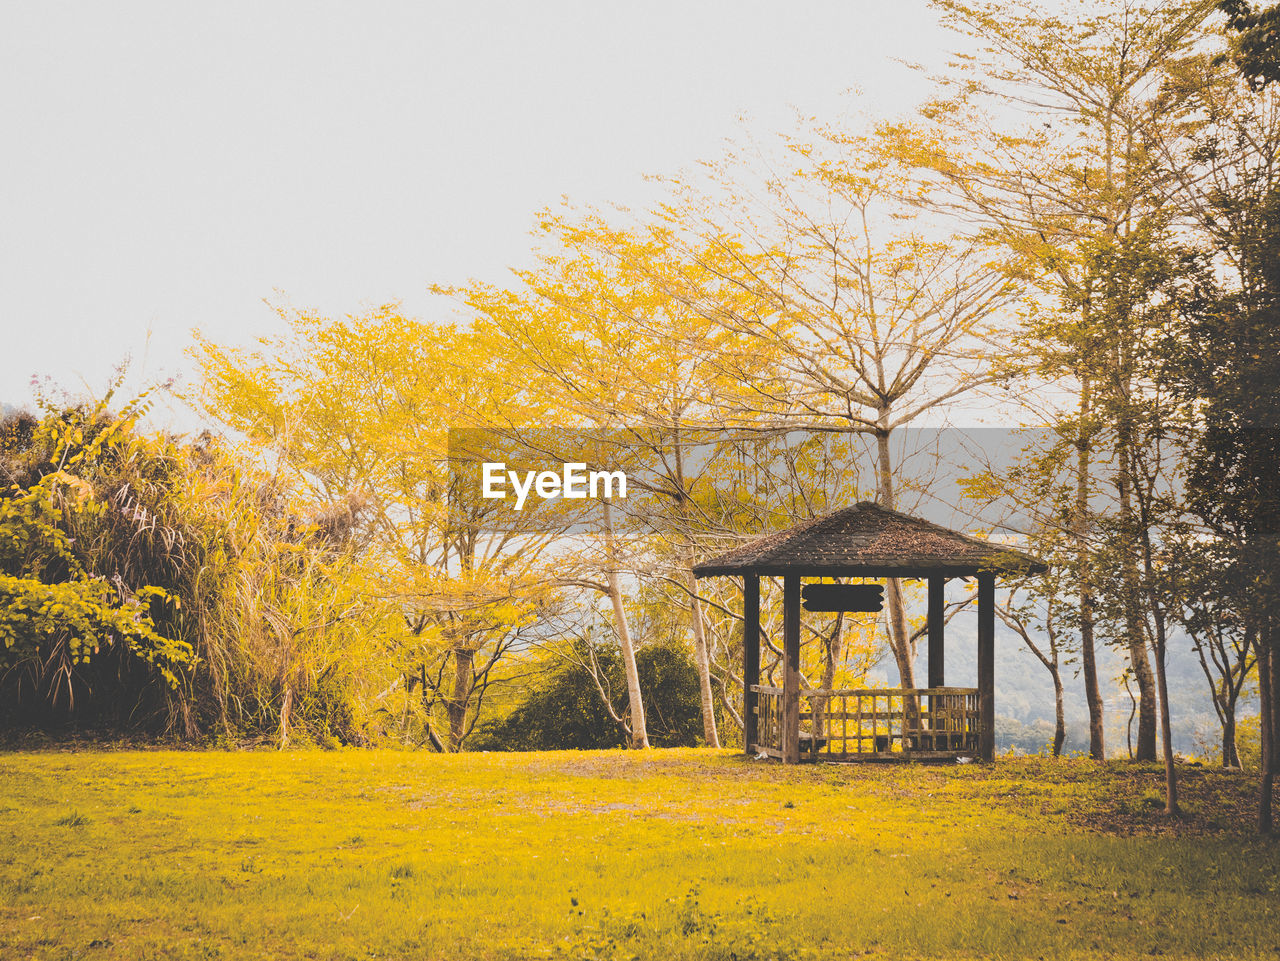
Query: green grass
(671,854)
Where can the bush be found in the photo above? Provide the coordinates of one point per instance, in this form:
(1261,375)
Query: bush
(1248,741)
(153,586)
(565,711)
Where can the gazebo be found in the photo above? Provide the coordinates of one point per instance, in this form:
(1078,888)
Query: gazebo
(869,542)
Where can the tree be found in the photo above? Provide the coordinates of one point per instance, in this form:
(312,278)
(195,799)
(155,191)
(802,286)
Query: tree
(871,325)
(1042,608)
(1137,279)
(1227,358)
(60,614)
(630,368)
(361,407)
(1222,356)
(1216,616)
(1255,40)
(57,617)
(1065,194)
(252,598)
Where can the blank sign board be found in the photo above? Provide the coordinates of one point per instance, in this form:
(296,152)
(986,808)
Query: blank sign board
(849,598)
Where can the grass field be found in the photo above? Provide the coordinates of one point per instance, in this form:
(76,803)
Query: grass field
(680,854)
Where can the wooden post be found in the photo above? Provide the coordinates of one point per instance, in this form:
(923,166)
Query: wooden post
(987,664)
(937,667)
(937,662)
(791,669)
(750,659)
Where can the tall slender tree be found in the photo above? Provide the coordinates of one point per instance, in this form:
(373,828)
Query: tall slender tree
(1223,352)
(625,362)
(872,326)
(362,407)
(1063,192)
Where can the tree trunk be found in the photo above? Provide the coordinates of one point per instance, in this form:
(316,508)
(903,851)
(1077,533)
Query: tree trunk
(1135,633)
(1267,691)
(1059,717)
(1161,649)
(1147,699)
(286,705)
(832,658)
(1230,754)
(701,657)
(456,706)
(635,702)
(1223,691)
(1133,712)
(1084,564)
(703,661)
(1166,735)
(428,703)
(898,634)
(898,637)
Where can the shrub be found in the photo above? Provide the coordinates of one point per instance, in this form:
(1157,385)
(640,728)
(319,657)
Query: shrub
(565,711)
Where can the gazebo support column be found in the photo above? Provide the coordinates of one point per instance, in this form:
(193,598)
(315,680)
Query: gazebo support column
(987,665)
(937,667)
(791,669)
(750,659)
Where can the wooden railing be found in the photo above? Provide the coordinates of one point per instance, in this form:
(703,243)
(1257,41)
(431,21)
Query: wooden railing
(873,722)
(769,725)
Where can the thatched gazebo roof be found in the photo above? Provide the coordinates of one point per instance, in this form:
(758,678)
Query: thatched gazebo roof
(870,541)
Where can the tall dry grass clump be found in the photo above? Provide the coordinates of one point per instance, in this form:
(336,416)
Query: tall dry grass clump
(222,562)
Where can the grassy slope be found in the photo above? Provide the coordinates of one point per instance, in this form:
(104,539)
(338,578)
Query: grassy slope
(670,854)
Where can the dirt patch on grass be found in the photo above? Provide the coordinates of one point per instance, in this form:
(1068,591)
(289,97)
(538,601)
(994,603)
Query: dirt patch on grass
(1114,798)
(1117,797)
(1132,801)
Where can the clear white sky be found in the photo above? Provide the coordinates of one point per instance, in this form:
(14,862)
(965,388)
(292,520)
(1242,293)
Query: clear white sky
(167,166)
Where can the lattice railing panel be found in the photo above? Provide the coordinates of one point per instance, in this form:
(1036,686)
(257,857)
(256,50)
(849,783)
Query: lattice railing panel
(874,721)
(769,723)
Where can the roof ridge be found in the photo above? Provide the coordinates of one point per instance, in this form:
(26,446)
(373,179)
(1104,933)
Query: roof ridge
(868,535)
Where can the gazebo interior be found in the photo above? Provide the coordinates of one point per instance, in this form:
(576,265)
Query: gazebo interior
(867,542)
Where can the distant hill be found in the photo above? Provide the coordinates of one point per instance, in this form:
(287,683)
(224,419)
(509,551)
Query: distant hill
(1024,692)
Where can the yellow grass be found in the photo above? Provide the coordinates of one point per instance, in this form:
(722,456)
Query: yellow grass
(682,854)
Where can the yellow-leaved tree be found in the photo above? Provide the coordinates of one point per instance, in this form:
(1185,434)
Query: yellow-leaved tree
(359,410)
(635,371)
(873,319)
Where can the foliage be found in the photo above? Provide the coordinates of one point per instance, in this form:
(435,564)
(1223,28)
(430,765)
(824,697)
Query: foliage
(565,711)
(159,585)
(1078,191)
(358,411)
(1255,41)
(277,612)
(74,616)
(58,616)
(608,321)
(1227,357)
(1223,362)
(1216,614)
